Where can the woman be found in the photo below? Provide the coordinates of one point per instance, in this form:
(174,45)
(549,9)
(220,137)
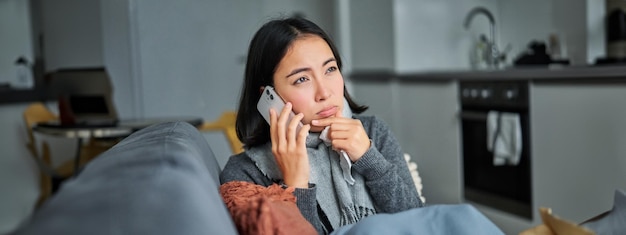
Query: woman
(299,60)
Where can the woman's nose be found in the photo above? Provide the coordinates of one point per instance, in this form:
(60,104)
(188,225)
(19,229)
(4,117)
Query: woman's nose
(322,92)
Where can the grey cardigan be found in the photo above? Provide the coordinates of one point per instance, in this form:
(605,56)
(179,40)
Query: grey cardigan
(387,176)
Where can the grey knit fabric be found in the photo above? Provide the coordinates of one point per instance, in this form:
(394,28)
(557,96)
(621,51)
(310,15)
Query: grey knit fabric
(342,203)
(382,174)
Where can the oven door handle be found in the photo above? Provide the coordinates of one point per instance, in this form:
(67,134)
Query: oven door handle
(474,115)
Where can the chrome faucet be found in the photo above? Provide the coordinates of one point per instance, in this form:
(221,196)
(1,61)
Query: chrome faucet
(494,56)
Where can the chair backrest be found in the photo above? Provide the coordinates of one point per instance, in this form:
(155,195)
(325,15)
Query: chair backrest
(226,123)
(34,113)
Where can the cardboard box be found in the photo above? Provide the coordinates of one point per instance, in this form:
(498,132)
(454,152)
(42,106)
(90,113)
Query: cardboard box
(553,225)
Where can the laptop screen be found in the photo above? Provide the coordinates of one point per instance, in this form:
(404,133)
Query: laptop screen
(94,110)
(88,104)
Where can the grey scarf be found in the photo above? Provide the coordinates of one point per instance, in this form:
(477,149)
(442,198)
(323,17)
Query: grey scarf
(341,202)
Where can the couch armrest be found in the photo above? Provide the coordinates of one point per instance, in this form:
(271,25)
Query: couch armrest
(160,180)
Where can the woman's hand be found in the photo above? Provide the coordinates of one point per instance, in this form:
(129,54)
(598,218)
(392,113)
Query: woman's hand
(289,147)
(346,134)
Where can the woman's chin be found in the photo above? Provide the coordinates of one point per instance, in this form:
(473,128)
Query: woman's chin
(316,129)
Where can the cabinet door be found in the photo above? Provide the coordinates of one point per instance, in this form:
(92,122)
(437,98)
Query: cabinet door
(578,135)
(423,116)
(429,130)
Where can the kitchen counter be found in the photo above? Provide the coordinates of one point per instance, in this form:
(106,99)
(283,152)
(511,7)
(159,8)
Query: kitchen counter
(606,73)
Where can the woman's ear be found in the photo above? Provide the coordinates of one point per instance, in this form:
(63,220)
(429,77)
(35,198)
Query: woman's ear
(261,88)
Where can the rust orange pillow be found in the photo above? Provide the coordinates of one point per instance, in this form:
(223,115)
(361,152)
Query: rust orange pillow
(264,210)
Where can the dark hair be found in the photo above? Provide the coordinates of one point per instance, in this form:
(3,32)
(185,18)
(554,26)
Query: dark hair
(267,48)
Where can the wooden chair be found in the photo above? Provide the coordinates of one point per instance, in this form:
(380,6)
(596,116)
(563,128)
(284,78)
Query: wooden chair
(226,124)
(51,176)
(34,113)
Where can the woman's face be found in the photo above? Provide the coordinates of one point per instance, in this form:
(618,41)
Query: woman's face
(309,78)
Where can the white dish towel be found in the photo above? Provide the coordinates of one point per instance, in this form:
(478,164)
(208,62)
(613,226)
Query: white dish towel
(504,137)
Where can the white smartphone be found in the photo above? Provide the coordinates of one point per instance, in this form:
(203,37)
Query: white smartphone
(270,99)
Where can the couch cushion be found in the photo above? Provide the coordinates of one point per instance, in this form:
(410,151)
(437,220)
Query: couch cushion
(160,180)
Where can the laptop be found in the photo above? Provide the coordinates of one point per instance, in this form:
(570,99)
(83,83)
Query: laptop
(87,110)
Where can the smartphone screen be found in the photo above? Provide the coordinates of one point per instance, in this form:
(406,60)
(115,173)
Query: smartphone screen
(270,99)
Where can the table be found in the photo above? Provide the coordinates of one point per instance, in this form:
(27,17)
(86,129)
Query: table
(121,129)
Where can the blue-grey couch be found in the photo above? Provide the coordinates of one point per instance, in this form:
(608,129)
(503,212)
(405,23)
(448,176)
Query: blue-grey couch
(160,180)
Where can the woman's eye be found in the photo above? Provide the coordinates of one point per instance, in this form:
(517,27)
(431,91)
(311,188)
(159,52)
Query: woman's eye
(331,69)
(300,80)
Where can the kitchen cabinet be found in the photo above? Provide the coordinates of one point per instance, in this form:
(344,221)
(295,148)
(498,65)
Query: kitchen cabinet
(578,147)
(422,115)
(578,155)
(577,134)
(428,130)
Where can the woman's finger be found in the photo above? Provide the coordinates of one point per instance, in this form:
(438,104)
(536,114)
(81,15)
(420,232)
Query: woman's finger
(292,129)
(273,133)
(281,126)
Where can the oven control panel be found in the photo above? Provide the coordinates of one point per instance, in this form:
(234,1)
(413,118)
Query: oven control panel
(489,93)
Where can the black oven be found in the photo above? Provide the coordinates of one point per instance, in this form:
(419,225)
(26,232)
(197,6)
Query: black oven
(506,188)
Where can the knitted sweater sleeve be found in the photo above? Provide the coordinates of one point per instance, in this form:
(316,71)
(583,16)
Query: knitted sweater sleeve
(386,173)
(241,168)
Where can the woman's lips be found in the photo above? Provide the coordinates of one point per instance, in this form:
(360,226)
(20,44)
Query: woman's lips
(327,112)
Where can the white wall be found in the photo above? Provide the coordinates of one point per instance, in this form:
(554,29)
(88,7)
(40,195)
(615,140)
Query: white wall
(320,12)
(569,20)
(204,44)
(19,186)
(522,22)
(119,56)
(371,30)
(72,34)
(595,38)
(429,35)
(15,36)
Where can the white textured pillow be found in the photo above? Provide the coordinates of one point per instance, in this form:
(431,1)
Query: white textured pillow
(415,175)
